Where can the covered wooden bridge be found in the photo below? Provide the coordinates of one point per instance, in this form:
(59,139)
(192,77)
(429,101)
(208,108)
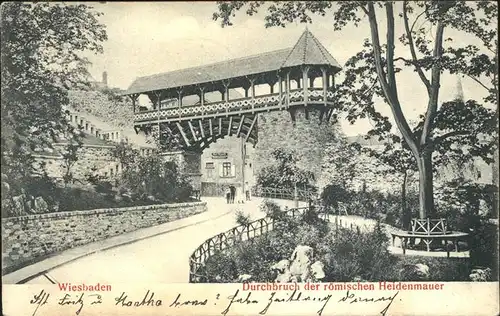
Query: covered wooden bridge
(299,77)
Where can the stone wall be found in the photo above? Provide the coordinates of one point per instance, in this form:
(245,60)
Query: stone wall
(189,163)
(26,239)
(307,138)
(89,156)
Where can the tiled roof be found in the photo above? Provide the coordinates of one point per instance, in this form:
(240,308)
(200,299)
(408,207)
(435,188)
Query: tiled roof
(308,50)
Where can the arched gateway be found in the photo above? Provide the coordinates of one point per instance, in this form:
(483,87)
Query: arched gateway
(307,66)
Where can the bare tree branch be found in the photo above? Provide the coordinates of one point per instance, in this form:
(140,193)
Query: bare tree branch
(412,49)
(416,19)
(439,139)
(390,49)
(435,84)
(393,102)
(479,82)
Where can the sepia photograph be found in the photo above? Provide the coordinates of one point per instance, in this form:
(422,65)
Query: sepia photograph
(346,146)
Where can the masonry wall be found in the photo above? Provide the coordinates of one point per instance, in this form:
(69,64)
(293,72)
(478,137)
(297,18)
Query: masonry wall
(28,238)
(99,157)
(275,129)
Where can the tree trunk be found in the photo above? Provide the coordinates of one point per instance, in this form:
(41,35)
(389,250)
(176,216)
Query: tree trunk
(406,214)
(426,192)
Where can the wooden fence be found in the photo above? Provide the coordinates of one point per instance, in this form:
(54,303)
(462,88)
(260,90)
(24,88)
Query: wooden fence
(254,229)
(286,194)
(235,235)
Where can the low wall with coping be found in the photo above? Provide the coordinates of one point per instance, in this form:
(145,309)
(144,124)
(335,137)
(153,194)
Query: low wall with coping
(28,238)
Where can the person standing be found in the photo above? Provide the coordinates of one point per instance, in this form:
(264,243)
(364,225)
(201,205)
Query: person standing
(228,195)
(233,193)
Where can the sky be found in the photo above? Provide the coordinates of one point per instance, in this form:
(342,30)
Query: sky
(146,38)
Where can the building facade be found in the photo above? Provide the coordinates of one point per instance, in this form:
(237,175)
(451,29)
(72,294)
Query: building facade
(224,163)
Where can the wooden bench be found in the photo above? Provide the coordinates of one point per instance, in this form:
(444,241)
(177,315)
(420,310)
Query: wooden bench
(405,236)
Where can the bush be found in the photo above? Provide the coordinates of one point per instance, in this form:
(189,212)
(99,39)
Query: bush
(271,209)
(242,219)
(152,176)
(104,187)
(333,194)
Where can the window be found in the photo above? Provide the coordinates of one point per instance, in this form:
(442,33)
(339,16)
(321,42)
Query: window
(226,169)
(209,165)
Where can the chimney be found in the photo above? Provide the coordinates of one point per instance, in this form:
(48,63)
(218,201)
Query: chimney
(105,78)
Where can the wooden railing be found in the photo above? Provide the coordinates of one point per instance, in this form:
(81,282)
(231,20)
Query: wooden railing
(257,104)
(286,194)
(254,229)
(233,236)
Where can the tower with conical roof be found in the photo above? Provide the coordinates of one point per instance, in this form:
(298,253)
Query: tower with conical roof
(459,91)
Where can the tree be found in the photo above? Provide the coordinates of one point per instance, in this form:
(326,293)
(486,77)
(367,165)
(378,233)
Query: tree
(42,46)
(70,154)
(151,176)
(340,163)
(284,173)
(372,72)
(126,154)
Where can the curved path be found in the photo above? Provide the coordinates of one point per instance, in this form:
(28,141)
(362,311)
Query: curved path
(162,258)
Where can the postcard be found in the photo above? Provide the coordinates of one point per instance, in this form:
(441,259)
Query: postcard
(250,158)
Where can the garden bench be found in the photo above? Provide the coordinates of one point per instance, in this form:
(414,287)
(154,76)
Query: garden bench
(405,236)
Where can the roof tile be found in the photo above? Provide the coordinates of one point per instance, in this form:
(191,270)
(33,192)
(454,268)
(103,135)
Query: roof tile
(307,50)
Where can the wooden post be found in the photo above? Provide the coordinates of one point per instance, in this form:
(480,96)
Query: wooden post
(305,72)
(287,88)
(202,96)
(243,159)
(134,97)
(179,93)
(325,85)
(280,88)
(252,92)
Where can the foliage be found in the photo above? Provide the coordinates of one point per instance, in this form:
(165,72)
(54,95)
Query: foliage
(348,255)
(468,206)
(74,198)
(126,154)
(152,176)
(70,154)
(342,163)
(284,173)
(242,218)
(271,209)
(376,205)
(42,57)
(372,72)
(333,194)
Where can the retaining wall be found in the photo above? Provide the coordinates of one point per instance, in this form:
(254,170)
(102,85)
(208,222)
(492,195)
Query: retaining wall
(26,238)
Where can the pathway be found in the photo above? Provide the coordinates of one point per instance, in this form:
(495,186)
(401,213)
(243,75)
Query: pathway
(162,258)
(159,254)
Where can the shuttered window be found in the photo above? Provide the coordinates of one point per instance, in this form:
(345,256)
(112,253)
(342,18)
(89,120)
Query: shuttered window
(226,170)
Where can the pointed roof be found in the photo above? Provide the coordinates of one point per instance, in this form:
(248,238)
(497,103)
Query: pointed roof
(307,51)
(459,92)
